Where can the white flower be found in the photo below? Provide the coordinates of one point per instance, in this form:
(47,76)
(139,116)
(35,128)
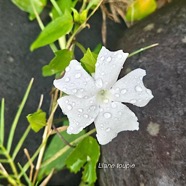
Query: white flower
(98,99)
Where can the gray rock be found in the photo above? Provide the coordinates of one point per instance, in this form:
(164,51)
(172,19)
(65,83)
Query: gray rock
(158,149)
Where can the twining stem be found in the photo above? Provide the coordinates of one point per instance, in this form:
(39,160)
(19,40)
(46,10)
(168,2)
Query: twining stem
(45,137)
(63,150)
(41,25)
(82,26)
(2,121)
(142,49)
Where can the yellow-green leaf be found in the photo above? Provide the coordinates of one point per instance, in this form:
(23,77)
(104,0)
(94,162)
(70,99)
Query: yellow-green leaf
(140,9)
(37,120)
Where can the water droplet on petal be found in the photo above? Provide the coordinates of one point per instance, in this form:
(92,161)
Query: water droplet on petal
(99,83)
(119,113)
(91,101)
(67,79)
(81,90)
(109,59)
(117,89)
(133,101)
(69,107)
(66,101)
(138,88)
(106,100)
(80,110)
(101,110)
(78,75)
(107,115)
(78,67)
(117,95)
(113,105)
(148,91)
(119,56)
(101,126)
(108,130)
(74,90)
(102,73)
(102,58)
(123,91)
(85,115)
(93,107)
(67,69)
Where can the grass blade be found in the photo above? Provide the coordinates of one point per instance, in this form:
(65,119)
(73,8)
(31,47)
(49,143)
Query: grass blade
(20,143)
(16,119)
(2,121)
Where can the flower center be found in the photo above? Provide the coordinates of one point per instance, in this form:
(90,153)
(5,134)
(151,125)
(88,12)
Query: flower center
(103,96)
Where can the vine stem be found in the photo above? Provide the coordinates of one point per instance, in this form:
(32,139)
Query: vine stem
(44,141)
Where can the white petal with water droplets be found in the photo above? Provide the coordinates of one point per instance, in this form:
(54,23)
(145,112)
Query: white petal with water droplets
(80,112)
(131,89)
(108,66)
(114,118)
(76,81)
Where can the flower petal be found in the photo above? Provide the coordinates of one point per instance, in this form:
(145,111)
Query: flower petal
(113,118)
(80,112)
(76,81)
(130,89)
(108,67)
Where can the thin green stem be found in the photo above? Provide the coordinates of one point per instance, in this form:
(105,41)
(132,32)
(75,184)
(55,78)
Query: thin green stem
(16,119)
(63,150)
(2,121)
(82,26)
(20,143)
(142,49)
(9,178)
(56,7)
(41,25)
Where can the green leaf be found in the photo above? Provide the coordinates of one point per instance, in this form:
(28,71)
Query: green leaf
(37,120)
(55,145)
(63,5)
(92,4)
(26,5)
(59,62)
(89,61)
(86,156)
(80,17)
(140,9)
(54,30)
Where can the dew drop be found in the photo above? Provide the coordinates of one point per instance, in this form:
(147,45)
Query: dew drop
(66,101)
(119,56)
(123,91)
(107,115)
(67,79)
(91,101)
(117,95)
(74,90)
(148,91)
(119,113)
(85,115)
(101,126)
(93,107)
(78,67)
(109,59)
(69,107)
(108,130)
(113,105)
(67,69)
(77,123)
(106,100)
(117,89)
(101,110)
(78,75)
(133,101)
(80,110)
(102,58)
(73,103)
(99,83)
(102,73)
(138,88)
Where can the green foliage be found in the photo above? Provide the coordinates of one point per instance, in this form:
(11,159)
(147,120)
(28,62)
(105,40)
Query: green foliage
(29,5)
(55,145)
(89,60)
(37,120)
(54,30)
(86,156)
(62,6)
(80,17)
(140,9)
(58,63)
